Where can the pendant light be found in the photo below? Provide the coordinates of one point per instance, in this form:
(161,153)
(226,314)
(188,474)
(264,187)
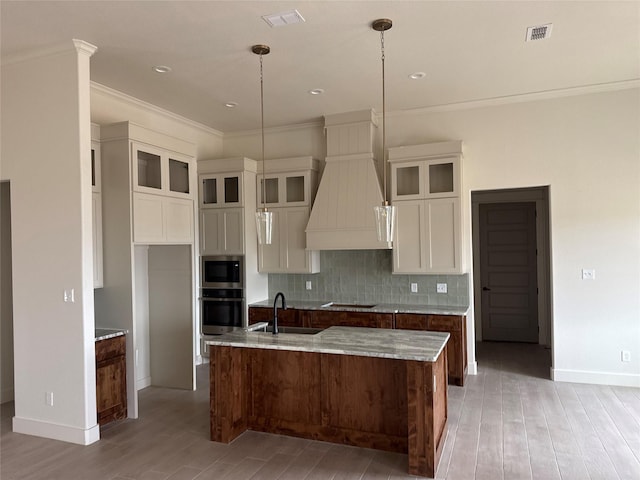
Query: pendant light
(264,218)
(385,214)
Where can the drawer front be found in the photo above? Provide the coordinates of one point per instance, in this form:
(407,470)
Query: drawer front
(111,347)
(286,318)
(411,321)
(445,323)
(328,319)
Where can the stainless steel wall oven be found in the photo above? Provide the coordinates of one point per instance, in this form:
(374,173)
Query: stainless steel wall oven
(222,297)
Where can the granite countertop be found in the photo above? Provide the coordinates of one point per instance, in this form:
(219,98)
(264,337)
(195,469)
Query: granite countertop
(379,308)
(359,341)
(105,333)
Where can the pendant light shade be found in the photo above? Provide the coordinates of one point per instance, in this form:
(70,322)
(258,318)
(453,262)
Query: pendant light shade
(264,218)
(264,221)
(385,214)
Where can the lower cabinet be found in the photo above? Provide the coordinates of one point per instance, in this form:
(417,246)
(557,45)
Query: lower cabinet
(331,318)
(455,325)
(111,379)
(286,318)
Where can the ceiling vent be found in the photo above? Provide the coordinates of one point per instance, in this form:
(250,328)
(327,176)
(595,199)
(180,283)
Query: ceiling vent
(539,32)
(283,18)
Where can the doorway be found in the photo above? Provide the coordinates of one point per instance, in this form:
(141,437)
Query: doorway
(511,263)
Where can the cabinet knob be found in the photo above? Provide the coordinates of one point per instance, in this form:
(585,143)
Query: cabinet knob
(486,289)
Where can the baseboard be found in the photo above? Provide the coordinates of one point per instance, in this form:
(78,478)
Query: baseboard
(54,431)
(143,383)
(472,368)
(6,395)
(596,378)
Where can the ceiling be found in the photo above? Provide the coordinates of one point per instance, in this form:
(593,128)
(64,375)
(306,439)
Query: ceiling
(468,50)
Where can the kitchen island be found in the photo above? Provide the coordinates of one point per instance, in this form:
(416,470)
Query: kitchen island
(369,387)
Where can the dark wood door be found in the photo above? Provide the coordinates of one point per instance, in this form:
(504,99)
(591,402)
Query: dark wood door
(508,271)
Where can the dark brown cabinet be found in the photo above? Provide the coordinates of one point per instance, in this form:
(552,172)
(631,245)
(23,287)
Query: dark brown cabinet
(455,325)
(111,379)
(335,318)
(286,318)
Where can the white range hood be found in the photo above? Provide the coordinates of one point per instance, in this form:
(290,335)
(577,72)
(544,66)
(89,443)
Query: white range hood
(342,216)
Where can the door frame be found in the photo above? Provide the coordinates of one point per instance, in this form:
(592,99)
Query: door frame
(539,195)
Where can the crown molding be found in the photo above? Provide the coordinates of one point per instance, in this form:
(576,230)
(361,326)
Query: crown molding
(79,46)
(279,129)
(521,98)
(110,92)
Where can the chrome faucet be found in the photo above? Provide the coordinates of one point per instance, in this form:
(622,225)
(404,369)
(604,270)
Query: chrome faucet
(275,310)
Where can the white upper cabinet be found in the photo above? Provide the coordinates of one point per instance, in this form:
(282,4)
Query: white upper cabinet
(160,171)
(96,207)
(221,190)
(161,174)
(287,189)
(425,171)
(426,183)
(226,187)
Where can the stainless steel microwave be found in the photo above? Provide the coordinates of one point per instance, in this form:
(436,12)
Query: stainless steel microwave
(222,272)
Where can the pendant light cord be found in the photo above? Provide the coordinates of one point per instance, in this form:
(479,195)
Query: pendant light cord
(384,115)
(264,180)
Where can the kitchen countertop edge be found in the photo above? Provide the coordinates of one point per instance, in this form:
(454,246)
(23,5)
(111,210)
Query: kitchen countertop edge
(357,341)
(379,308)
(106,333)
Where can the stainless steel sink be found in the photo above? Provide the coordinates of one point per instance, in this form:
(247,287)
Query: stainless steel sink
(298,330)
(347,305)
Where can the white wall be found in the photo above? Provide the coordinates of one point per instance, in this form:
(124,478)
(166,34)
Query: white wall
(46,144)
(6,294)
(587,149)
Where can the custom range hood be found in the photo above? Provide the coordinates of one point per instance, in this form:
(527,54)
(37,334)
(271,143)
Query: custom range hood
(342,216)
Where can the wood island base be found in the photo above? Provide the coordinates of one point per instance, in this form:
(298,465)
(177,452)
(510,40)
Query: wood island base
(371,402)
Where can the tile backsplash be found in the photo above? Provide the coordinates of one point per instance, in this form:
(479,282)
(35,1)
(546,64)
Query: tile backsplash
(364,276)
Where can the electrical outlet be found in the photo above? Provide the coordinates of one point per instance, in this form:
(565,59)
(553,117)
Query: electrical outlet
(69,296)
(441,288)
(48,398)
(588,274)
(626,355)
(308,284)
(414,288)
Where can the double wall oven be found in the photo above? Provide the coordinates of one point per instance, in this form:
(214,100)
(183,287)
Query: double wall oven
(222,296)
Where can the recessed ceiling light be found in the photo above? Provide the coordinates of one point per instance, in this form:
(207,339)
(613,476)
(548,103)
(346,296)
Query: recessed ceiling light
(231,104)
(417,75)
(283,18)
(161,69)
(316,91)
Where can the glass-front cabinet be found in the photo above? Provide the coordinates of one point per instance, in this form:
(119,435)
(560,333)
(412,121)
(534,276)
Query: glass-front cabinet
(428,178)
(286,189)
(155,170)
(221,190)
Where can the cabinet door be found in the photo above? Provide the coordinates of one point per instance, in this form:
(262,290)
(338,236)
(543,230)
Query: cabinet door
(149,168)
(111,389)
(407,181)
(411,321)
(442,240)
(330,318)
(442,178)
(148,218)
(221,231)
(295,255)
(408,248)
(179,220)
(96,223)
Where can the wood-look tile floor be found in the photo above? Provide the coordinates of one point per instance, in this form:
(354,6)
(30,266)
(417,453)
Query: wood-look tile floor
(509,422)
